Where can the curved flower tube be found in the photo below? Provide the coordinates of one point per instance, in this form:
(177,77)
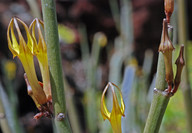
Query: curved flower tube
(24,51)
(117,112)
(40,51)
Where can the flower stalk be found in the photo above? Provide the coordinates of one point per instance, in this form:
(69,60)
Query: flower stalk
(54,61)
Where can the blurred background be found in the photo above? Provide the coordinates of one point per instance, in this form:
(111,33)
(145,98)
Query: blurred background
(101,41)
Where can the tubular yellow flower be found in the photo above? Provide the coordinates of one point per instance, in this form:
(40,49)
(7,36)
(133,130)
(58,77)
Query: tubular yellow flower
(117,112)
(24,51)
(40,50)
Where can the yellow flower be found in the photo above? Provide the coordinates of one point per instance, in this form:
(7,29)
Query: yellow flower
(40,51)
(117,112)
(24,51)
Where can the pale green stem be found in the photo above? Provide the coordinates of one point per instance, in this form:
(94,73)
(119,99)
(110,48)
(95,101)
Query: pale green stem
(54,60)
(34,8)
(115,13)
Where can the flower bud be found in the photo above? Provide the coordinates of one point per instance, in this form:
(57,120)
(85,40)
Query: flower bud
(180,62)
(166,48)
(169,7)
(101,39)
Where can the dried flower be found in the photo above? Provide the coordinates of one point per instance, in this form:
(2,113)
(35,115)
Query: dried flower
(169,7)
(180,62)
(166,48)
(117,112)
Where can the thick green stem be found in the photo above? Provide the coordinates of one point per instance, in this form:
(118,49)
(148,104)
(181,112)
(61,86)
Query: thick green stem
(182,31)
(160,97)
(54,61)
(156,113)
(160,100)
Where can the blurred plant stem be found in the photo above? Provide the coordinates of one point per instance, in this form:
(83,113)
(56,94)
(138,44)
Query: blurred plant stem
(91,93)
(8,109)
(126,25)
(34,8)
(73,118)
(115,13)
(54,59)
(84,45)
(3,121)
(182,36)
(10,99)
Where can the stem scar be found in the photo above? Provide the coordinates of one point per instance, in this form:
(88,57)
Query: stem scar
(60,116)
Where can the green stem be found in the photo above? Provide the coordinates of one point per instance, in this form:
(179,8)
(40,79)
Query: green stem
(126,23)
(160,98)
(73,117)
(160,79)
(186,89)
(115,13)
(156,113)
(54,61)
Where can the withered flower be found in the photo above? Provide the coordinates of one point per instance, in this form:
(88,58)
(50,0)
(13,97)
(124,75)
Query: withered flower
(166,48)
(180,62)
(169,7)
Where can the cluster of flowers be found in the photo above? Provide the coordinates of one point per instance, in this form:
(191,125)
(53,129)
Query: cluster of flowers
(25,50)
